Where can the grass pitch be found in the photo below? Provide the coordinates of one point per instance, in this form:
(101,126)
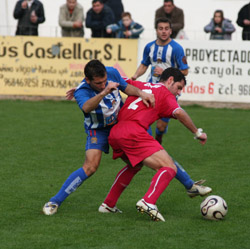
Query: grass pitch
(41,143)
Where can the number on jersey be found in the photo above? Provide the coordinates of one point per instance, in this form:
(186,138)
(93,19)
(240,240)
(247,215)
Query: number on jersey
(134,105)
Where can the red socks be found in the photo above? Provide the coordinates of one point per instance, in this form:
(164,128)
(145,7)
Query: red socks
(122,180)
(158,184)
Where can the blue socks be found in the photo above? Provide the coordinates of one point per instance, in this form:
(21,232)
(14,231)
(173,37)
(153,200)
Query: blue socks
(70,185)
(159,133)
(183,176)
(150,131)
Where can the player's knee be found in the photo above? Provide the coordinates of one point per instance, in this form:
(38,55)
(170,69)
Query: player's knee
(173,167)
(167,163)
(90,168)
(161,126)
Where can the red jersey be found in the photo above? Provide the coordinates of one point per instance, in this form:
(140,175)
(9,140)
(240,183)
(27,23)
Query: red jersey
(135,110)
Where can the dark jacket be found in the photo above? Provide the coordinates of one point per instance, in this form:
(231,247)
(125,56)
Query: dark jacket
(117,8)
(244,13)
(176,18)
(25,26)
(98,22)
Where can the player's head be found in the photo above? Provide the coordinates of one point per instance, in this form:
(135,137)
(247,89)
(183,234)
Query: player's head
(95,75)
(162,20)
(174,80)
(168,6)
(163,28)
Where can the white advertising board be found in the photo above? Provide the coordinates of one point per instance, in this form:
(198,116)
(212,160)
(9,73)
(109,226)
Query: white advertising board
(219,71)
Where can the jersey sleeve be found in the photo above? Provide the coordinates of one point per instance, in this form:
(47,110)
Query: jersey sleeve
(82,95)
(168,105)
(116,77)
(135,83)
(181,58)
(146,58)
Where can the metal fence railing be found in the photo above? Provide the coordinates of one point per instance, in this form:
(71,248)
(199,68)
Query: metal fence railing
(55,31)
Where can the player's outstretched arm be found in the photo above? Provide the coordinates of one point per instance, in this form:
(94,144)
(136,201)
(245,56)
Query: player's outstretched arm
(140,71)
(185,119)
(147,98)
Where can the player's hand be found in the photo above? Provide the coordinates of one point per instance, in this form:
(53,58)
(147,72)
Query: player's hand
(110,87)
(158,70)
(148,99)
(202,138)
(70,93)
(133,77)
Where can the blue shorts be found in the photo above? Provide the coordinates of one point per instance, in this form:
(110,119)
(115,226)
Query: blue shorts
(165,119)
(98,139)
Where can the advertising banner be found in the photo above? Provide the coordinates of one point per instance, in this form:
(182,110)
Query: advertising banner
(219,71)
(50,66)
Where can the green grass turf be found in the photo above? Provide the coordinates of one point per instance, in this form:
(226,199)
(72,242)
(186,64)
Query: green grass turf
(41,143)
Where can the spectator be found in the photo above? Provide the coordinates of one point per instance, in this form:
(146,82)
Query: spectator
(117,8)
(71,19)
(29,13)
(219,27)
(244,21)
(174,14)
(98,18)
(126,28)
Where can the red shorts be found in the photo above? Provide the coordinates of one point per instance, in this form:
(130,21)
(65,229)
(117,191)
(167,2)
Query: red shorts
(131,141)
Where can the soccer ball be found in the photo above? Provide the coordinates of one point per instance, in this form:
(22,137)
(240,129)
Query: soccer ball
(214,208)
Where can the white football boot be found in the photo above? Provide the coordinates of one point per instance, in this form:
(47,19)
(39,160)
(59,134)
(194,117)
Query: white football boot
(149,209)
(198,189)
(104,208)
(50,208)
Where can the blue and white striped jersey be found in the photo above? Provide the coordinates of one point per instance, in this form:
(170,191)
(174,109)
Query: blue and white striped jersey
(106,112)
(170,55)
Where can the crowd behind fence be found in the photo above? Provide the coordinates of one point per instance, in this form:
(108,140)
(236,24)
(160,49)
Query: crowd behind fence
(55,31)
(168,9)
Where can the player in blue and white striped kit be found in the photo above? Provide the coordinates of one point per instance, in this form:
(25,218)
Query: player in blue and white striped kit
(100,101)
(161,54)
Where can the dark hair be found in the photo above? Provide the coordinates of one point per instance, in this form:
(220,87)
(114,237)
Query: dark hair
(126,14)
(94,68)
(163,19)
(174,72)
(166,1)
(94,1)
(221,13)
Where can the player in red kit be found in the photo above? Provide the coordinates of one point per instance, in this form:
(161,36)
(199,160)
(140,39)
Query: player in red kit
(131,142)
